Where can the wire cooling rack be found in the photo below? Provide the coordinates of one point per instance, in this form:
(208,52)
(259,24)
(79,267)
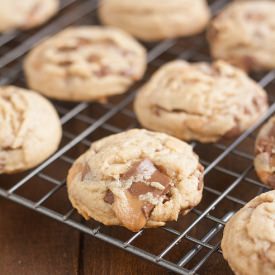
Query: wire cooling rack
(189,246)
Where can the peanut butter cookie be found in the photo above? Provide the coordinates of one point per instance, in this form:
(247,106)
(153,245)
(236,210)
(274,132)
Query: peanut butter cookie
(152,20)
(244,35)
(25,14)
(24,140)
(248,242)
(200,101)
(265,153)
(136,179)
(85,63)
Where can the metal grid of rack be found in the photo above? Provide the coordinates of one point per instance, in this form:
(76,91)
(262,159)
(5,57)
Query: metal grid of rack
(188,246)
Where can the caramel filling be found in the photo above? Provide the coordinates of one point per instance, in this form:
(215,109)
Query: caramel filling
(134,205)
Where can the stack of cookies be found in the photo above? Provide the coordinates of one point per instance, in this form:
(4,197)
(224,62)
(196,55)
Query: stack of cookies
(145,178)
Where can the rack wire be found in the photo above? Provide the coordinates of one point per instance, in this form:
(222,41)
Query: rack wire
(190,246)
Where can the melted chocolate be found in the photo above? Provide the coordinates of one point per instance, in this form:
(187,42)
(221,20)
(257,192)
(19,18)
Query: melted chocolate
(144,172)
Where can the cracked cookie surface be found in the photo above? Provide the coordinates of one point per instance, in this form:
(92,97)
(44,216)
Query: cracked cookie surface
(85,63)
(25,14)
(24,140)
(200,101)
(248,242)
(264,161)
(152,20)
(136,179)
(244,35)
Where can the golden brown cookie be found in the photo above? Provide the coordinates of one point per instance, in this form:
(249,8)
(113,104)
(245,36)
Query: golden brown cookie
(85,63)
(243,34)
(25,14)
(248,242)
(136,179)
(152,20)
(30,129)
(200,101)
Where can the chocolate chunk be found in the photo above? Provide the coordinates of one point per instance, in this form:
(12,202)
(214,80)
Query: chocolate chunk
(66,48)
(85,170)
(109,197)
(65,63)
(83,41)
(147,181)
(93,58)
(104,71)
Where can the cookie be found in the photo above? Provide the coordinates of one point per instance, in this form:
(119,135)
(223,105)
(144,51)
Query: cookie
(136,179)
(200,101)
(152,20)
(264,161)
(243,34)
(30,129)
(25,14)
(248,242)
(85,63)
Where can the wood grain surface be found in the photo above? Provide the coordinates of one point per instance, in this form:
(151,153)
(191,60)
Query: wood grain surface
(32,244)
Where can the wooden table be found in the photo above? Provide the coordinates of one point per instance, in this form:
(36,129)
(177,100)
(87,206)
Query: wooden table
(33,244)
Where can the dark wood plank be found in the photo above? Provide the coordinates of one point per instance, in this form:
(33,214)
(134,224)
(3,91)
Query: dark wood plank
(33,244)
(101,258)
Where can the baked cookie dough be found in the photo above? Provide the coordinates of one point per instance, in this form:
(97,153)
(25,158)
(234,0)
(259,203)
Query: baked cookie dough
(200,101)
(248,242)
(136,179)
(30,129)
(243,34)
(25,14)
(152,20)
(264,161)
(85,63)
